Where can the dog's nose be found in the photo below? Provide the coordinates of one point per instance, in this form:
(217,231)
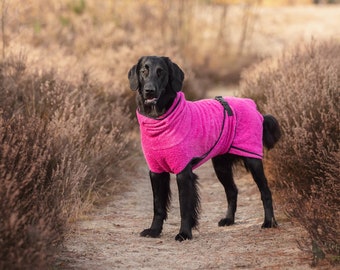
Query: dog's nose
(149,89)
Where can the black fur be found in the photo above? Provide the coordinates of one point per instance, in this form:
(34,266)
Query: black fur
(161,201)
(157,80)
(223,166)
(189,202)
(271,131)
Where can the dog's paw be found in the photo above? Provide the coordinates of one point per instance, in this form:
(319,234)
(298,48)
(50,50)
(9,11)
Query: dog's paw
(226,222)
(270,224)
(183,236)
(154,233)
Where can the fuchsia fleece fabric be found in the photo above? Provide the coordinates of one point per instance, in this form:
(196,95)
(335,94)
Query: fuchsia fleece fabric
(191,129)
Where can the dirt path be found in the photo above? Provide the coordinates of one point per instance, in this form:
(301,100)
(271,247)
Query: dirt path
(109,238)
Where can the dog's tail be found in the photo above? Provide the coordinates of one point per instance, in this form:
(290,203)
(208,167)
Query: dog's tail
(271,131)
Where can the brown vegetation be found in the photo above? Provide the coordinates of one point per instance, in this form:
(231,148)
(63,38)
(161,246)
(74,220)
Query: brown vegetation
(301,89)
(61,144)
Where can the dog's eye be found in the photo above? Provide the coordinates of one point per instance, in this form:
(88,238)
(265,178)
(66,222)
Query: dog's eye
(144,71)
(159,72)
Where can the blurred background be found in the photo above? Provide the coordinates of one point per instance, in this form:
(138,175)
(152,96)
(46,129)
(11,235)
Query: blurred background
(211,40)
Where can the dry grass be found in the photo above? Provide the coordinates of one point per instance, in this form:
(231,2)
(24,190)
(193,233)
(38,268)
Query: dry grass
(31,207)
(208,40)
(301,89)
(62,145)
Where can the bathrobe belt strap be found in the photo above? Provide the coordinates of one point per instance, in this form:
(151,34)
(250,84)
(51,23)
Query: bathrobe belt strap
(224,104)
(227,109)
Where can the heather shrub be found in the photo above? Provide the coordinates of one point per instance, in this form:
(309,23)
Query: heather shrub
(94,126)
(31,220)
(62,144)
(301,88)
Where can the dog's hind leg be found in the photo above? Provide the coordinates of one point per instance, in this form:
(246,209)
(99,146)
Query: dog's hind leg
(189,203)
(256,168)
(160,183)
(223,169)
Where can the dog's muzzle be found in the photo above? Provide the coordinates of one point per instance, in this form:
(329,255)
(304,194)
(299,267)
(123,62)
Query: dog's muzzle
(150,101)
(150,95)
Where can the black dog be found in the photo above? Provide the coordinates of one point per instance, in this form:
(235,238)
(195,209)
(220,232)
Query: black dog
(159,81)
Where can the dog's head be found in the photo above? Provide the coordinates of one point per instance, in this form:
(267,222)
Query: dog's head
(157,80)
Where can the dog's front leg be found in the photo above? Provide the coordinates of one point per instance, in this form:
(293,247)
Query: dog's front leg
(189,203)
(160,183)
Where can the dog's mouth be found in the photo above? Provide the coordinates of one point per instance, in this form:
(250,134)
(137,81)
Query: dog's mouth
(150,101)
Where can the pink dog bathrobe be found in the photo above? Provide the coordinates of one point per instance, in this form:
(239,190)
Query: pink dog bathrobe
(200,130)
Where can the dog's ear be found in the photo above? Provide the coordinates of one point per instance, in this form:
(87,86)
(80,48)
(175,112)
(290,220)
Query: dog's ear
(133,78)
(176,75)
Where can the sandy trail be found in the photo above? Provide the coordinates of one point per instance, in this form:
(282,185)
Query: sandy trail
(109,238)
